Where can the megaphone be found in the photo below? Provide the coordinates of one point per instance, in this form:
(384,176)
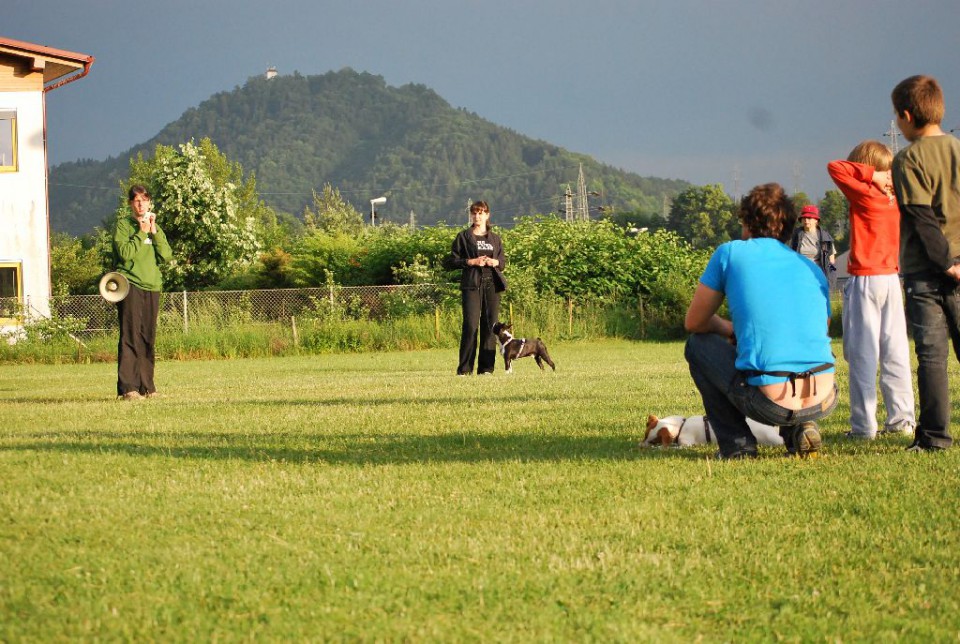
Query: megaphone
(114,287)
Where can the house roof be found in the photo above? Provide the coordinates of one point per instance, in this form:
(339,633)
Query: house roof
(54,63)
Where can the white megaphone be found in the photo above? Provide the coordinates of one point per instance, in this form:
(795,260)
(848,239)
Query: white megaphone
(114,287)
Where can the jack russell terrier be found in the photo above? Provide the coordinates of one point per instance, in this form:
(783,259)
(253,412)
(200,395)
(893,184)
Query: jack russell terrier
(515,348)
(695,430)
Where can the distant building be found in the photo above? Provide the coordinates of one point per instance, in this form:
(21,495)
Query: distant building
(27,73)
(271,72)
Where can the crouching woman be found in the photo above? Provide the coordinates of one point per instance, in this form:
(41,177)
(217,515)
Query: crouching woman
(772,360)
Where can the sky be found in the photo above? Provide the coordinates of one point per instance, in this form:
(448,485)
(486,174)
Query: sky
(734,92)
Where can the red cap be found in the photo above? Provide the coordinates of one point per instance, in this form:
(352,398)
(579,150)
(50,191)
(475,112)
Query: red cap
(810,211)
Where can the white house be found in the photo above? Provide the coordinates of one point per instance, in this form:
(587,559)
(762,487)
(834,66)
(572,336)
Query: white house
(27,73)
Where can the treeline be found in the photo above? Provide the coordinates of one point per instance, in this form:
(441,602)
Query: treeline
(223,237)
(351,130)
(707,216)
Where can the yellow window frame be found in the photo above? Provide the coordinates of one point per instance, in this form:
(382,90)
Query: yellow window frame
(9,116)
(6,309)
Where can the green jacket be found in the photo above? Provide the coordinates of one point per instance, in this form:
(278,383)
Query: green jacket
(138,255)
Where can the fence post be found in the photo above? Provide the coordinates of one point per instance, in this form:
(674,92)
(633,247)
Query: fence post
(436,322)
(643,323)
(296,336)
(511,313)
(570,316)
(186,326)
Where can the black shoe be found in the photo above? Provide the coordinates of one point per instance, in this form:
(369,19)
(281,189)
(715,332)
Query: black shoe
(805,440)
(917,447)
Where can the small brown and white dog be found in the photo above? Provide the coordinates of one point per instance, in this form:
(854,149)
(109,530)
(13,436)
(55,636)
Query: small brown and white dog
(678,431)
(515,348)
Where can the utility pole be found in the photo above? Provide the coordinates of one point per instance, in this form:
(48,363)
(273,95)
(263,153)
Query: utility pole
(583,208)
(568,204)
(894,137)
(736,182)
(797,177)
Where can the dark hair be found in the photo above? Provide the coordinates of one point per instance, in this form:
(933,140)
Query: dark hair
(922,97)
(136,190)
(478,206)
(766,211)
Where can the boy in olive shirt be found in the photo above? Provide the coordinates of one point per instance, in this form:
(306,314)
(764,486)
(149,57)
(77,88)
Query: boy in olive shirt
(926,179)
(139,247)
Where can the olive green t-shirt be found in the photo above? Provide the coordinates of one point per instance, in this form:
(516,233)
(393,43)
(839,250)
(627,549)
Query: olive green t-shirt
(927,173)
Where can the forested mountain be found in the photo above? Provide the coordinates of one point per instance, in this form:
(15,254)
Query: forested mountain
(368,139)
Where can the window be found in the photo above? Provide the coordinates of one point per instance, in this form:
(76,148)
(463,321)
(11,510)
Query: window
(11,294)
(8,140)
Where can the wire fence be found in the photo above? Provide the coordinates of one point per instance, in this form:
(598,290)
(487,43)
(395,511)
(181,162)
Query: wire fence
(91,314)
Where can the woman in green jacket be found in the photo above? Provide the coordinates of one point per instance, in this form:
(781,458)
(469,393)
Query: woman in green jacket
(139,248)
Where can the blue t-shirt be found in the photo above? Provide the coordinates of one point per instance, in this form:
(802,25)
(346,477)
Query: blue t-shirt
(779,303)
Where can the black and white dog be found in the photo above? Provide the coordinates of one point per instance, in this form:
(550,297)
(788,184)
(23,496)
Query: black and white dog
(515,348)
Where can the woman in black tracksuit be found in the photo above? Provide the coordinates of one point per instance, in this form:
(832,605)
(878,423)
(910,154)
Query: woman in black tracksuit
(479,253)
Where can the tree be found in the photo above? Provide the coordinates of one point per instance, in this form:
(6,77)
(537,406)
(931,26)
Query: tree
(211,214)
(75,267)
(800,199)
(704,216)
(331,214)
(638,219)
(833,217)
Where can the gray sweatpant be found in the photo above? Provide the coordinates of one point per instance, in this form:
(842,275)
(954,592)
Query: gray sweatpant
(875,331)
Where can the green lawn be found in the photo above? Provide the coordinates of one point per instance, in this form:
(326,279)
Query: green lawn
(380,497)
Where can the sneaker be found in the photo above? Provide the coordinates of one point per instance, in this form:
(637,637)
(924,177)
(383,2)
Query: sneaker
(132,395)
(903,428)
(806,440)
(857,436)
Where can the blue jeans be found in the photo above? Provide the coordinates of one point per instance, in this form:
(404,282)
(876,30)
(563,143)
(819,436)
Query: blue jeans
(728,400)
(933,310)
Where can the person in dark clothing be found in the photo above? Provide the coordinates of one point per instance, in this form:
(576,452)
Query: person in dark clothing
(478,252)
(813,242)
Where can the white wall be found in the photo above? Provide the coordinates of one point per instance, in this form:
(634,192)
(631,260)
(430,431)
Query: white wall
(23,201)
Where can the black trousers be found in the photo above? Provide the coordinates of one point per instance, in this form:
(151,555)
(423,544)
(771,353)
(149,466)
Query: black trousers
(481,310)
(137,314)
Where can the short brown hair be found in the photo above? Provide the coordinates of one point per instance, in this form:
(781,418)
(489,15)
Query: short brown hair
(922,97)
(872,153)
(137,189)
(767,211)
(479,206)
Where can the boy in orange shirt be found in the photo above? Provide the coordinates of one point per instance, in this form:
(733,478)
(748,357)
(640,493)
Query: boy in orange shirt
(874,325)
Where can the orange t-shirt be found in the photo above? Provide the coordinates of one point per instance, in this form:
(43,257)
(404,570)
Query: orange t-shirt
(874,220)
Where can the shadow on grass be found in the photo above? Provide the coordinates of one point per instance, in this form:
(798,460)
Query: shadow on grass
(354,449)
(319,401)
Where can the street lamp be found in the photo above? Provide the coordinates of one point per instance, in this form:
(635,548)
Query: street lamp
(379,201)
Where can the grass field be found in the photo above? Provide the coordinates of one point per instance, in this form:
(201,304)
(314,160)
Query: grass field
(379,497)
